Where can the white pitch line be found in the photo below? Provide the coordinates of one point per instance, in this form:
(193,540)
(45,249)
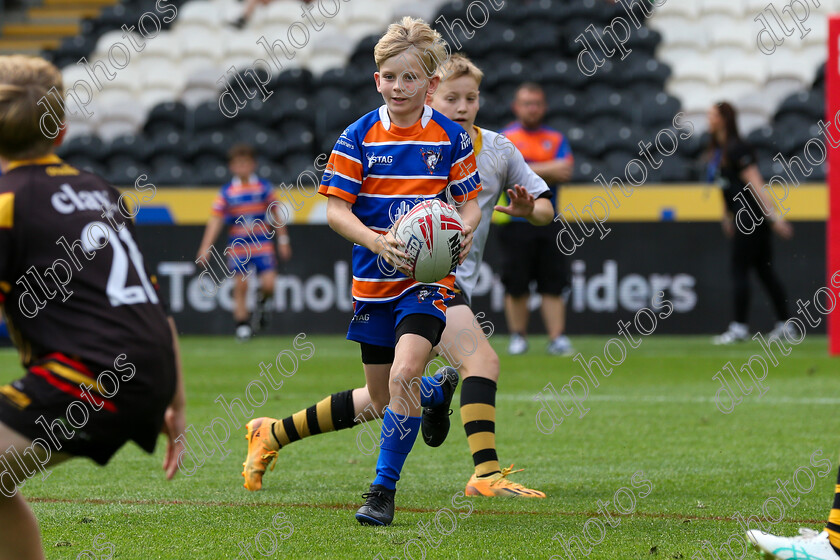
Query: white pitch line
(659,399)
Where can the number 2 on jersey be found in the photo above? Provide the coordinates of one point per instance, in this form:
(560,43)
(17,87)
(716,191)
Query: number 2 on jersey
(118,292)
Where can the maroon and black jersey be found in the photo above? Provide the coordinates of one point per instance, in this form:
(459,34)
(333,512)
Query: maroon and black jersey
(79,304)
(72,280)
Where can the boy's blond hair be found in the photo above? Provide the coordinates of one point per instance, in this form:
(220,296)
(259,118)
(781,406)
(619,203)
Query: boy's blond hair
(412,34)
(459,65)
(24,81)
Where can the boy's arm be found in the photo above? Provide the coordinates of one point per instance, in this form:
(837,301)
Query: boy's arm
(527,192)
(211,232)
(174,421)
(284,247)
(471,216)
(341,219)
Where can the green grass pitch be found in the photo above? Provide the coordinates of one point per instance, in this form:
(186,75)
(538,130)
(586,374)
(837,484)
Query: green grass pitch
(655,413)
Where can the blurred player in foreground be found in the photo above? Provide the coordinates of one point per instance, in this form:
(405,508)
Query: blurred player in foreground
(242,201)
(500,165)
(732,163)
(100,355)
(810,544)
(388,159)
(530,253)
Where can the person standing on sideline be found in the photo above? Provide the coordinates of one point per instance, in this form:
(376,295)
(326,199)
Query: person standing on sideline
(239,204)
(732,164)
(530,252)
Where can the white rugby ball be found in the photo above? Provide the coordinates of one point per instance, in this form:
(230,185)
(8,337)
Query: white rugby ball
(432,232)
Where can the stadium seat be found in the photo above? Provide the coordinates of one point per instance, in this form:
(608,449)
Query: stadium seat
(124,171)
(130,145)
(78,125)
(538,36)
(119,119)
(72,49)
(215,175)
(171,144)
(681,40)
(644,40)
(160,82)
(819,79)
(299,139)
(586,169)
(328,51)
(676,10)
(604,104)
(562,72)
(169,113)
(299,79)
(273,173)
(739,76)
(657,111)
(210,145)
(202,50)
(691,149)
(728,41)
(349,78)
(423,10)
(207,116)
(695,79)
(172,172)
(297,163)
(367,99)
(810,104)
(616,162)
(763,139)
(678,170)
(611,138)
(241,51)
(200,87)
(793,131)
(90,147)
(714,13)
(639,70)
(114,17)
(166,46)
(202,15)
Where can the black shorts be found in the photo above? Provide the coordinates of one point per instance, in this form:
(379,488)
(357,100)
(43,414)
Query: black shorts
(459,299)
(529,253)
(421,324)
(54,402)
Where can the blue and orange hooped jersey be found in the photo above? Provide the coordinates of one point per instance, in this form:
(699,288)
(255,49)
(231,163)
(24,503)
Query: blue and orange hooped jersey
(248,200)
(384,170)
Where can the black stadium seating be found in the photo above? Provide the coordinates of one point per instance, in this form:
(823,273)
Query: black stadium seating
(604,115)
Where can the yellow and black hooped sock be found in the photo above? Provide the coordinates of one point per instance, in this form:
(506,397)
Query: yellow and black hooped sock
(478,413)
(833,525)
(330,414)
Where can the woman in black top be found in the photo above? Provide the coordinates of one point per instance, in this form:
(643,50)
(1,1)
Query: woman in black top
(750,218)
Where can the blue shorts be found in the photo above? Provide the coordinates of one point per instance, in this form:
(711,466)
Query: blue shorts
(376,323)
(261,263)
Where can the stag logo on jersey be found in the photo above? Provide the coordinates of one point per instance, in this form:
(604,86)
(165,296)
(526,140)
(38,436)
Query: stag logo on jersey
(373,159)
(431,157)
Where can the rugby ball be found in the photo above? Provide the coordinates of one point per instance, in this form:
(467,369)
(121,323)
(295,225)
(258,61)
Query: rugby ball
(432,232)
